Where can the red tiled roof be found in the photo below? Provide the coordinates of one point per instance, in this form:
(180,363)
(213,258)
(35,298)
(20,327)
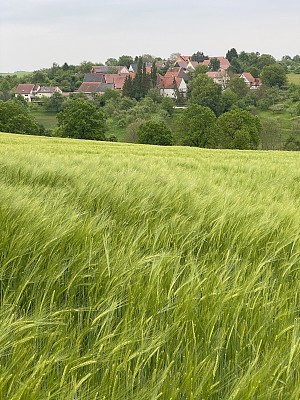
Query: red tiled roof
(249,77)
(168,82)
(173,71)
(224,63)
(185,58)
(24,88)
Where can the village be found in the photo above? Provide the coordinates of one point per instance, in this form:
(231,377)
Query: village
(175,80)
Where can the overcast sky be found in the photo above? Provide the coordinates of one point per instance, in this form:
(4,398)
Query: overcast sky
(36,33)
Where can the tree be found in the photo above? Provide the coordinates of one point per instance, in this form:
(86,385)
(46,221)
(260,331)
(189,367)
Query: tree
(5,90)
(229,99)
(111,62)
(214,64)
(197,126)
(231,54)
(15,118)
(148,58)
(139,86)
(274,75)
(239,87)
(85,67)
(200,69)
(167,104)
(55,102)
(205,92)
(127,89)
(173,57)
(82,120)
(153,74)
(23,123)
(155,132)
(270,134)
(125,61)
(264,60)
(199,57)
(235,67)
(238,129)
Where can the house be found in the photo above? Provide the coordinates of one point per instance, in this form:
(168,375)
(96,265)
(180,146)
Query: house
(117,80)
(104,69)
(133,68)
(182,58)
(95,87)
(27,90)
(94,78)
(177,72)
(219,77)
(251,82)
(99,69)
(181,64)
(47,91)
(192,65)
(224,63)
(30,91)
(169,86)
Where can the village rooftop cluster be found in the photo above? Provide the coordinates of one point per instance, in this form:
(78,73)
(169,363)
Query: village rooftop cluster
(175,79)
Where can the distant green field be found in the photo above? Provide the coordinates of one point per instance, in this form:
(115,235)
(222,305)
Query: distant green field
(18,73)
(294,78)
(143,272)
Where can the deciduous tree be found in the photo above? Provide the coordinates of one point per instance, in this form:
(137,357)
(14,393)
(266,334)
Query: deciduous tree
(15,118)
(205,92)
(81,119)
(197,126)
(274,75)
(238,129)
(155,132)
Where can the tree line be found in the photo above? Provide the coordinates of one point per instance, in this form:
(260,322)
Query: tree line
(147,117)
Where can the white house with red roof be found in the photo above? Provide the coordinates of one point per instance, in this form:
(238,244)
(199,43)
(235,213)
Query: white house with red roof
(27,91)
(169,86)
(221,78)
(250,81)
(30,91)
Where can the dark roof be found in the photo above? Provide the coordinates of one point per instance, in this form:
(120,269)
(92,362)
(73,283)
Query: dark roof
(133,67)
(105,86)
(99,69)
(93,78)
(48,89)
(95,87)
(177,72)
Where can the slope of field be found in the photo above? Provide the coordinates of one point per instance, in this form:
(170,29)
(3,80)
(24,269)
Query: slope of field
(294,78)
(140,272)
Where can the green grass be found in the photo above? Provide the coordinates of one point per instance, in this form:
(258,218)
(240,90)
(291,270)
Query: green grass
(140,272)
(114,130)
(294,78)
(48,119)
(19,74)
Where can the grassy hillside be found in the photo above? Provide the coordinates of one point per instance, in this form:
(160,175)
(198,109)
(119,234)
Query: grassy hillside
(45,118)
(294,78)
(139,272)
(20,74)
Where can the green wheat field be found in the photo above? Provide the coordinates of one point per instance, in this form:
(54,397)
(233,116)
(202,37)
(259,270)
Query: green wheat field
(132,272)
